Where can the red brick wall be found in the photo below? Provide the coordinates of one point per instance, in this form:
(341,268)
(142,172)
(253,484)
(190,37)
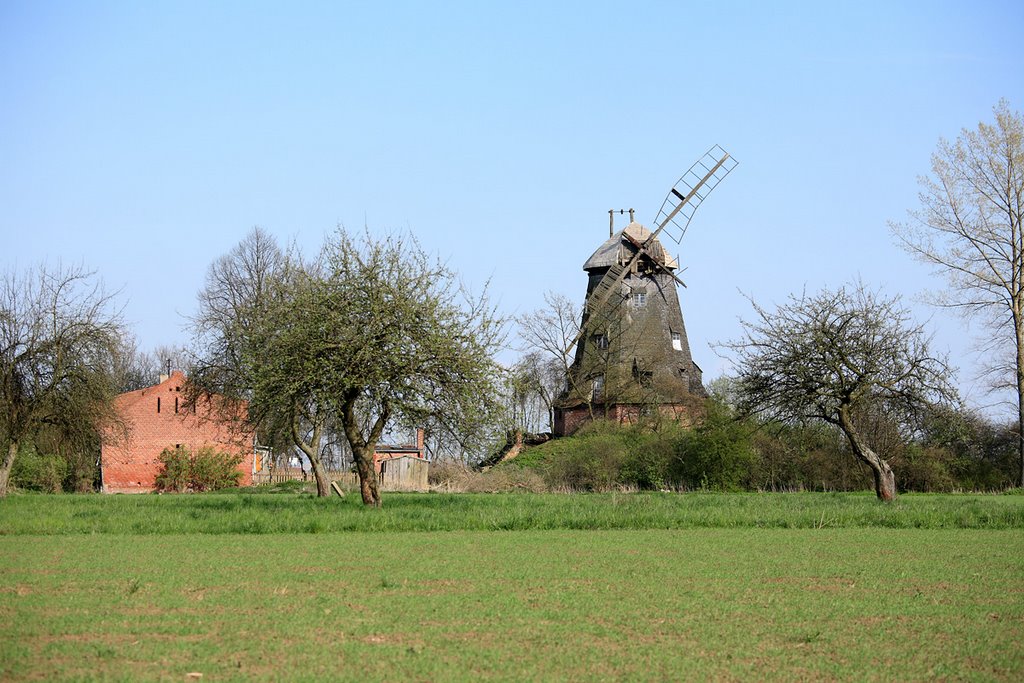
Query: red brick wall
(130,464)
(569,420)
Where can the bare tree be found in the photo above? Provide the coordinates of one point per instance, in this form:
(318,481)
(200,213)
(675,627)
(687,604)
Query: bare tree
(969,226)
(232,304)
(140,369)
(59,343)
(535,381)
(554,331)
(834,357)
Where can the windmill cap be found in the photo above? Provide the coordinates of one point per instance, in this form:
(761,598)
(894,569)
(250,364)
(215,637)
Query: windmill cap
(607,255)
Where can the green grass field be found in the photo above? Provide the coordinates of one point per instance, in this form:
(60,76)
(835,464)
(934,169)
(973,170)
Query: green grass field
(512,587)
(245,513)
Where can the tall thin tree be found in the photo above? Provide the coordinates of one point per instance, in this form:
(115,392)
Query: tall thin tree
(970,227)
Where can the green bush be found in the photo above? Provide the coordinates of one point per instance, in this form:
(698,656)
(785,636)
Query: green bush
(718,454)
(53,465)
(594,466)
(82,472)
(651,454)
(206,470)
(604,455)
(37,471)
(175,468)
(952,452)
(212,470)
(804,457)
(925,468)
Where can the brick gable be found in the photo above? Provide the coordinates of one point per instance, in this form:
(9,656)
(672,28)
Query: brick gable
(156,419)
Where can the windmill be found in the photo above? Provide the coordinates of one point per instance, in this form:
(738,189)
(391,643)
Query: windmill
(631,353)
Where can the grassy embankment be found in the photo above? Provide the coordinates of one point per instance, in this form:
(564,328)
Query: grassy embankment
(607,586)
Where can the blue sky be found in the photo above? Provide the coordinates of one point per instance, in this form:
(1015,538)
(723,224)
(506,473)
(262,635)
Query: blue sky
(144,139)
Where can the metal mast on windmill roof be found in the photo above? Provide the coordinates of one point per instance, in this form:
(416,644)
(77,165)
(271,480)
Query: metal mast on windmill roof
(631,355)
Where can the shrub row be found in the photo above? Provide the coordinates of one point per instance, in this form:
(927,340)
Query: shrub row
(53,468)
(716,455)
(724,453)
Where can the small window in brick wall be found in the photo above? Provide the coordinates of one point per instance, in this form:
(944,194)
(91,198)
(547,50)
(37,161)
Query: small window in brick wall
(642,376)
(158,404)
(677,341)
(175,404)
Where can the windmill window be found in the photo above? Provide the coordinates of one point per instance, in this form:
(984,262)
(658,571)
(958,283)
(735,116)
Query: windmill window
(677,341)
(158,405)
(175,404)
(598,387)
(639,299)
(601,341)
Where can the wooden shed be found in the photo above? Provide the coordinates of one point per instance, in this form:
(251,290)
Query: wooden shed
(404,473)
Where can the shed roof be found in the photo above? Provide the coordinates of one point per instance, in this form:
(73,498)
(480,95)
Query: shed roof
(608,253)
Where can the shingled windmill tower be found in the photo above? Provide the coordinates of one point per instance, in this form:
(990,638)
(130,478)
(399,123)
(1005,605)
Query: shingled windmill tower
(632,355)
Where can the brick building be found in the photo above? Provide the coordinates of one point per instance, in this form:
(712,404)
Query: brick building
(385,452)
(156,419)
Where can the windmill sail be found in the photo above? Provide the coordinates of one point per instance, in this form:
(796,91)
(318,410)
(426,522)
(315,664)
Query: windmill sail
(690,190)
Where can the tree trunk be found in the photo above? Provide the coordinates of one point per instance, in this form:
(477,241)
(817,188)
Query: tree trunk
(323,486)
(1020,424)
(1020,397)
(364,448)
(885,480)
(312,451)
(368,486)
(6,465)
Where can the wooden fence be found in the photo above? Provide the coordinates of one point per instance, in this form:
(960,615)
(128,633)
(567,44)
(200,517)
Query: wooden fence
(397,474)
(344,478)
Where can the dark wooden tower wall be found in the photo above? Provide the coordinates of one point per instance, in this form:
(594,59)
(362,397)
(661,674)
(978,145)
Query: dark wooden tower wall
(633,350)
